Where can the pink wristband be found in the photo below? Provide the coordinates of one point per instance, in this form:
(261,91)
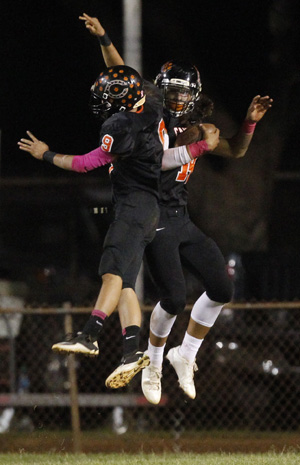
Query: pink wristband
(198,148)
(248,127)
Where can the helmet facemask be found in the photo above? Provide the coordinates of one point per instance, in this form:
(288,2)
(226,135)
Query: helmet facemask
(100,107)
(178,100)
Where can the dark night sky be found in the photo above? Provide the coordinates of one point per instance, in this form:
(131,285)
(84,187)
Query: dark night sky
(51,61)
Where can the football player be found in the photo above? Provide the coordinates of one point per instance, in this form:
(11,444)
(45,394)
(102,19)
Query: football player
(131,139)
(128,140)
(177,239)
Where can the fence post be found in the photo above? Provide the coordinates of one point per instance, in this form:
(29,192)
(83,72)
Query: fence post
(75,417)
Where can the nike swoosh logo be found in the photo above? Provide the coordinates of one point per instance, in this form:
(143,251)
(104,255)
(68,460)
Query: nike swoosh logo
(160,229)
(129,337)
(98,323)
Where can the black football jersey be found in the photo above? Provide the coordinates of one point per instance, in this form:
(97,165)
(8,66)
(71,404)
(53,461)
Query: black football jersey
(136,140)
(173,190)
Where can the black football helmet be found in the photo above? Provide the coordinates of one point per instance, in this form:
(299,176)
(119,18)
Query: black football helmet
(118,88)
(181,86)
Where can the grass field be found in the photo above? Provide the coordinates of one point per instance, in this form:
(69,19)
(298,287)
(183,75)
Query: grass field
(197,442)
(155,459)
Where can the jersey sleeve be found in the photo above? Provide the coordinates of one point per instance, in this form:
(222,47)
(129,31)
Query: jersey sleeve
(116,135)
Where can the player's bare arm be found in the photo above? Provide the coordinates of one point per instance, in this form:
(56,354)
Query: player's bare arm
(37,149)
(78,163)
(237,146)
(110,54)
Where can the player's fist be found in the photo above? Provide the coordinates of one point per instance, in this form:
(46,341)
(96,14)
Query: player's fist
(211,135)
(189,136)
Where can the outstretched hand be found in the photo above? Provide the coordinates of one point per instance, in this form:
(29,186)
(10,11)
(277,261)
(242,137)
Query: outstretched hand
(93,25)
(34,146)
(258,108)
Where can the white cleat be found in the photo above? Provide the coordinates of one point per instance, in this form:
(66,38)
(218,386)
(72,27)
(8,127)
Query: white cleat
(185,371)
(151,384)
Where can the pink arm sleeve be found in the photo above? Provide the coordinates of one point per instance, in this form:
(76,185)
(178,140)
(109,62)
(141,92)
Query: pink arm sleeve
(198,148)
(90,161)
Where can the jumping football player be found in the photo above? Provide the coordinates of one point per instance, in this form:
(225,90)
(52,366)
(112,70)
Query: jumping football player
(177,239)
(131,139)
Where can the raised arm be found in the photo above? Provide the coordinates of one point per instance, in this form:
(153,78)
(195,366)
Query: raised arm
(79,163)
(110,54)
(237,146)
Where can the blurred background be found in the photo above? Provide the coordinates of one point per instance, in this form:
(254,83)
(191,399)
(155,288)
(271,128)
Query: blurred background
(52,223)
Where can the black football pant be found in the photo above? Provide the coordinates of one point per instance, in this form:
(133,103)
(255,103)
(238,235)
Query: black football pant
(135,220)
(179,242)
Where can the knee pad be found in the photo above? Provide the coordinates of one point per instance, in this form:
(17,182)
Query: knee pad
(161,322)
(205,311)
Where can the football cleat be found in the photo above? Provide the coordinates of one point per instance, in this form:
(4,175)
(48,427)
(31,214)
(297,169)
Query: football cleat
(80,344)
(131,365)
(151,384)
(185,371)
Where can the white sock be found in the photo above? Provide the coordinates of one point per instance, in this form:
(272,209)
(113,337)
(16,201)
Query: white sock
(189,347)
(156,355)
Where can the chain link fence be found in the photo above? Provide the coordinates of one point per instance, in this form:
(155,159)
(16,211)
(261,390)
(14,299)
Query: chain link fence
(248,374)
